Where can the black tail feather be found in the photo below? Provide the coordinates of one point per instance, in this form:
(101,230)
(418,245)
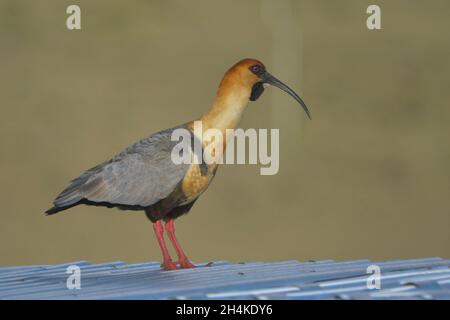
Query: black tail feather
(54,210)
(57,209)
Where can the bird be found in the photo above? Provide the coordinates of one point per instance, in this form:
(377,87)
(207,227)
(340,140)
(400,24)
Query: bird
(143,176)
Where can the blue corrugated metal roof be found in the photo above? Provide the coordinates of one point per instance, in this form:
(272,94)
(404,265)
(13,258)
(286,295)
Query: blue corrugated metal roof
(400,279)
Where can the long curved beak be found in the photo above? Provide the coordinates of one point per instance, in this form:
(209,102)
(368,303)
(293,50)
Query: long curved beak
(270,79)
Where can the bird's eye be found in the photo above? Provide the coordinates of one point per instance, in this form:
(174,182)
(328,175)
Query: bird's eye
(256,69)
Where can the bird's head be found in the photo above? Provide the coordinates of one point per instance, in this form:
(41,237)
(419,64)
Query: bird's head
(252,74)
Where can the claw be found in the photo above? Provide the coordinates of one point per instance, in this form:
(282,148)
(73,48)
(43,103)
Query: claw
(184,264)
(169,265)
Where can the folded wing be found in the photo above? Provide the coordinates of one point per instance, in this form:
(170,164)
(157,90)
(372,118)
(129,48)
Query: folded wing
(141,175)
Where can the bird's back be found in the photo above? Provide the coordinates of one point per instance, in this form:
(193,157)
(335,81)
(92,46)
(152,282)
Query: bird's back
(138,177)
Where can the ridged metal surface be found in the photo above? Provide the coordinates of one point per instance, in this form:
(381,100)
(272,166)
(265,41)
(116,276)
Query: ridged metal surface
(400,279)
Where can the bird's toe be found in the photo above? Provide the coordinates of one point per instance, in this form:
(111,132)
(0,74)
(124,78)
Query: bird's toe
(169,265)
(185,264)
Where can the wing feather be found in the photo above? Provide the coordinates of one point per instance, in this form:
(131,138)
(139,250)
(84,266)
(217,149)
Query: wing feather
(141,175)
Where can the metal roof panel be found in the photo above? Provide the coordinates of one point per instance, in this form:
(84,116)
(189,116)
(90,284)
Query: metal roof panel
(427,278)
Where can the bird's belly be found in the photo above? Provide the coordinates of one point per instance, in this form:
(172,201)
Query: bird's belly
(194,183)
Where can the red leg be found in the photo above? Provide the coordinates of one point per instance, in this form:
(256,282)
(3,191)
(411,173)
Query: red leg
(182,259)
(167,264)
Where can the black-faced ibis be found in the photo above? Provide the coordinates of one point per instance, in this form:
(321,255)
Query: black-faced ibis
(144,177)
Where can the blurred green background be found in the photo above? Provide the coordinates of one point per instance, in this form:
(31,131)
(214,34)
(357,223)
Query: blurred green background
(369,177)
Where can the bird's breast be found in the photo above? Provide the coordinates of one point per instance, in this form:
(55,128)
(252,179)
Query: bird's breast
(195,182)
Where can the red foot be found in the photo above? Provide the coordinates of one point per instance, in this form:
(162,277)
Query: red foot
(184,264)
(169,265)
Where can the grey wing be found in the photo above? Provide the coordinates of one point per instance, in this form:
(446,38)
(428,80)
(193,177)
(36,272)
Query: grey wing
(141,175)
